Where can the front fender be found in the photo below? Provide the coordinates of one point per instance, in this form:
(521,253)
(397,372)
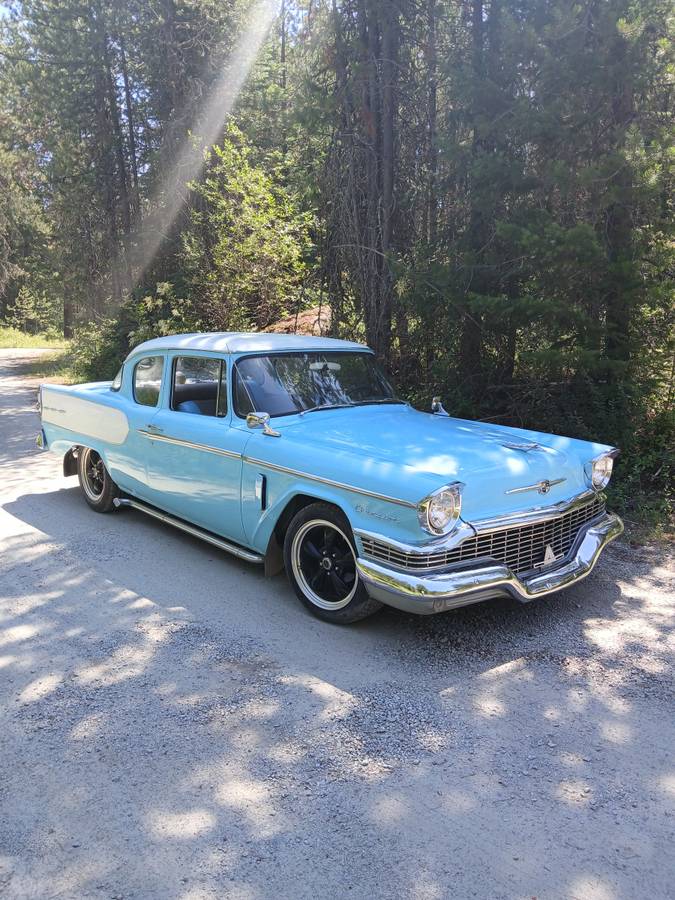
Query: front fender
(262,510)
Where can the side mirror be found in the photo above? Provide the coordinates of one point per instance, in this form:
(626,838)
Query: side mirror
(437,408)
(261,420)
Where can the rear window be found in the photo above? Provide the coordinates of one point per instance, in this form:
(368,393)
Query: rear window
(148,380)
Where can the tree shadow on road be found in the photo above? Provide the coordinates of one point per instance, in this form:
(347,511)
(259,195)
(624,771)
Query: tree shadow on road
(175,725)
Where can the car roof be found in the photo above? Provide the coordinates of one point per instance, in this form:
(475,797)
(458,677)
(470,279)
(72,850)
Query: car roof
(244,342)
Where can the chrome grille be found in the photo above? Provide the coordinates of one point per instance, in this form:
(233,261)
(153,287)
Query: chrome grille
(521,548)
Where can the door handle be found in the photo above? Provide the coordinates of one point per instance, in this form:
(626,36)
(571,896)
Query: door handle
(155,428)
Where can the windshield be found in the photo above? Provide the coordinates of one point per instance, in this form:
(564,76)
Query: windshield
(288,383)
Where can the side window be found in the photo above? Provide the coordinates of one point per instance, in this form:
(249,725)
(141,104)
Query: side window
(199,386)
(148,380)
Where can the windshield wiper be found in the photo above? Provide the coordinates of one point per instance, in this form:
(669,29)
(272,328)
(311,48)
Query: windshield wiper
(328,406)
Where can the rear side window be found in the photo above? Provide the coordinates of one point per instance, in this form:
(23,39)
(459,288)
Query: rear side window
(199,386)
(148,380)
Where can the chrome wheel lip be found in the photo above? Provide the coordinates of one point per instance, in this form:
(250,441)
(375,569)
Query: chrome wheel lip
(299,575)
(87,486)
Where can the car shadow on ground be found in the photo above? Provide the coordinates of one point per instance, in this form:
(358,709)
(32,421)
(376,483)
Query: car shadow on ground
(237,733)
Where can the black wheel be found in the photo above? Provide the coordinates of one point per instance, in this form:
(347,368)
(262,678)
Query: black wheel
(320,559)
(97,486)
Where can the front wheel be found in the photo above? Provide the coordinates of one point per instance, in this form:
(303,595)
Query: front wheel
(320,559)
(97,486)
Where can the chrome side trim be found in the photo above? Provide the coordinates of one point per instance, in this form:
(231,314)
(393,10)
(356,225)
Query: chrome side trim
(542,487)
(193,530)
(329,481)
(275,468)
(207,448)
(434,593)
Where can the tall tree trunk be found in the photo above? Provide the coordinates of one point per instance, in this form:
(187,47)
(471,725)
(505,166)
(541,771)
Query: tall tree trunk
(390,41)
(171,94)
(122,176)
(431,211)
(114,142)
(470,350)
(131,128)
(106,164)
(370,113)
(619,228)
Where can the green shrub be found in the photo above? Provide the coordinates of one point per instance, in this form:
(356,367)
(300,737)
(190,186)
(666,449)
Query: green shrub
(99,348)
(36,312)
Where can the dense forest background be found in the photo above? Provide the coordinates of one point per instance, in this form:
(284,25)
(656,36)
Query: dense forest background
(480,189)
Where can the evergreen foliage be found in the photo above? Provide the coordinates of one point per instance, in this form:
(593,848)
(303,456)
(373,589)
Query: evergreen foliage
(481,190)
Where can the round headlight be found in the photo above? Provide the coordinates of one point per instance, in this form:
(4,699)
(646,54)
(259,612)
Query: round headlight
(439,511)
(601,470)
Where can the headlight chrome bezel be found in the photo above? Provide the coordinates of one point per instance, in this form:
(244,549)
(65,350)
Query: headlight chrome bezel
(605,460)
(425,508)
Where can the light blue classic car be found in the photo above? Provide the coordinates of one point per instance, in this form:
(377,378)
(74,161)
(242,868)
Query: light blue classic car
(296,453)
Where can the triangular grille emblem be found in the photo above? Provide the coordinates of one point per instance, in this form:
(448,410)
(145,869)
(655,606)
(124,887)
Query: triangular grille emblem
(549,555)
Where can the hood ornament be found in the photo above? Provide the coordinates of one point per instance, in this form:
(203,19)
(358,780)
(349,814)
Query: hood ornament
(526,447)
(541,487)
(437,407)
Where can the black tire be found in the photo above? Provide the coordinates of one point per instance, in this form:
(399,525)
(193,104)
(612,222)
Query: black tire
(98,488)
(320,560)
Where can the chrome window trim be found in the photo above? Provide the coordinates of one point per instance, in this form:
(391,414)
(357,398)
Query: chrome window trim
(119,372)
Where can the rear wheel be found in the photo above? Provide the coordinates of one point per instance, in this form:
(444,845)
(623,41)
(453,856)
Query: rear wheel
(320,559)
(97,486)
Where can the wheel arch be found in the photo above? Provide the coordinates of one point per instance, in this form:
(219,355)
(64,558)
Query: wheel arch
(70,461)
(71,455)
(274,558)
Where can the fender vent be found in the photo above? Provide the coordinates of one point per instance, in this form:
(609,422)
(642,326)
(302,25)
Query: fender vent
(522,548)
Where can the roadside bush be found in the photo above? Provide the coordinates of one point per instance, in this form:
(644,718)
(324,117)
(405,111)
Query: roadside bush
(643,490)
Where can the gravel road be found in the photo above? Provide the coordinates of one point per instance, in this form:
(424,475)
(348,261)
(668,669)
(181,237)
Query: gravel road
(174,725)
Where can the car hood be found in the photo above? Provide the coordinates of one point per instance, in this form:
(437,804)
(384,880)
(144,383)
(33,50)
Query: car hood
(491,460)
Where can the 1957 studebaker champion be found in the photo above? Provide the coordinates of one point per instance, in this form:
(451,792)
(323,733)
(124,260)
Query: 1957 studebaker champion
(295,452)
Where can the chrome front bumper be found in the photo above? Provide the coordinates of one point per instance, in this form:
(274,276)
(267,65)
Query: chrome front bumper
(450,588)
